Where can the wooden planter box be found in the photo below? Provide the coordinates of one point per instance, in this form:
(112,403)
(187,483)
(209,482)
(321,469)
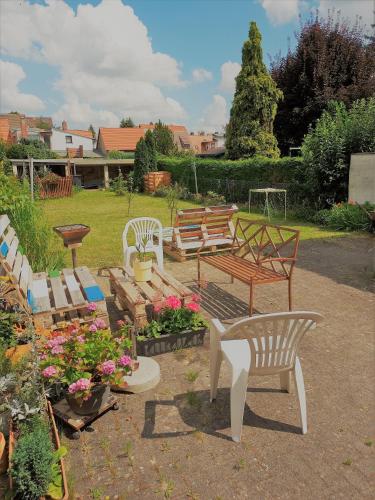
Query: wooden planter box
(171,342)
(153,180)
(56,443)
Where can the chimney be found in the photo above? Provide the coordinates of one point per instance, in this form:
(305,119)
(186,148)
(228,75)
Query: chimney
(64,125)
(80,151)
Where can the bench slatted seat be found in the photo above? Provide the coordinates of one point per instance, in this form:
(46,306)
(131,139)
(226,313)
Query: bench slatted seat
(52,301)
(261,254)
(193,226)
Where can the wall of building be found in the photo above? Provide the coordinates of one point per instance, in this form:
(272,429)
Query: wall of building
(58,141)
(362,177)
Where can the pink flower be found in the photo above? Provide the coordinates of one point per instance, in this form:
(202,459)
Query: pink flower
(56,342)
(75,331)
(57,349)
(193,306)
(48,372)
(125,360)
(100,323)
(196,297)
(108,367)
(173,302)
(92,307)
(81,339)
(93,328)
(158,308)
(120,323)
(81,385)
(43,356)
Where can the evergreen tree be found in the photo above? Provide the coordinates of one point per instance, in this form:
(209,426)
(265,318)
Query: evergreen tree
(150,142)
(141,163)
(92,130)
(164,141)
(127,123)
(249,131)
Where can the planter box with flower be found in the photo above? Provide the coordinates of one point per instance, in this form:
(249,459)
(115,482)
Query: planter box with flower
(86,361)
(175,327)
(142,266)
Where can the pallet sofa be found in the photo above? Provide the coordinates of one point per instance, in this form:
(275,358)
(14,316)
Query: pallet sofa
(194,226)
(52,301)
(261,254)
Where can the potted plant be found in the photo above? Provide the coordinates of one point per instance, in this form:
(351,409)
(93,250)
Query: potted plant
(175,326)
(143,263)
(86,360)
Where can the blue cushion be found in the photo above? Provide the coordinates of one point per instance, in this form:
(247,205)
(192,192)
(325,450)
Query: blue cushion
(93,293)
(4,249)
(31,301)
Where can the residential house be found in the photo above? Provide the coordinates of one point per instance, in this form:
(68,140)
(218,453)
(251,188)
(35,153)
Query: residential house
(202,143)
(27,127)
(72,142)
(180,134)
(5,133)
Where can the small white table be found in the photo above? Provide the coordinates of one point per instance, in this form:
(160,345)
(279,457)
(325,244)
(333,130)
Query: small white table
(268,191)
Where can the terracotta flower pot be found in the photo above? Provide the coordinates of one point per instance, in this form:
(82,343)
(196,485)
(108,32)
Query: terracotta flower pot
(99,396)
(142,270)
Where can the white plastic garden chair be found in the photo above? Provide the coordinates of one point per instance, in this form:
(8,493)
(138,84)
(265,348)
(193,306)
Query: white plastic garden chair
(260,345)
(145,229)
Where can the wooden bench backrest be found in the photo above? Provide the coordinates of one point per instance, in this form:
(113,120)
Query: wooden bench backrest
(202,221)
(13,264)
(259,241)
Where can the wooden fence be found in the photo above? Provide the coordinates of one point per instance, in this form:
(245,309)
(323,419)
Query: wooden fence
(55,186)
(153,180)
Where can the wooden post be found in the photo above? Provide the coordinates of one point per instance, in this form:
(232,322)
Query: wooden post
(195,177)
(31,167)
(15,170)
(106,177)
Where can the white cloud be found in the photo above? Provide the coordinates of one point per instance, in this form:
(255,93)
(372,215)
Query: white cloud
(215,116)
(107,66)
(11,98)
(349,9)
(281,11)
(229,70)
(201,75)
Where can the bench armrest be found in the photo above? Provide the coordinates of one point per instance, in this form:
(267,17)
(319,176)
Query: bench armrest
(277,259)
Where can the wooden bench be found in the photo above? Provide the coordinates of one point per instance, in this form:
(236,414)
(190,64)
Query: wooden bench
(195,225)
(261,254)
(52,301)
(140,298)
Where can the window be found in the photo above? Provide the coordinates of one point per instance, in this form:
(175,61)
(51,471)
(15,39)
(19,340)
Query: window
(68,139)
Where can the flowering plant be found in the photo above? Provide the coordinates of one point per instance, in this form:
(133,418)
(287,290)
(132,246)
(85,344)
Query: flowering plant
(81,356)
(173,317)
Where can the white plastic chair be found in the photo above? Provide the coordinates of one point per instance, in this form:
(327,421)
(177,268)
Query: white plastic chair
(144,228)
(260,345)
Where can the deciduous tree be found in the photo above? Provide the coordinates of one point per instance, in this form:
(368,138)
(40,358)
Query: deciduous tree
(127,123)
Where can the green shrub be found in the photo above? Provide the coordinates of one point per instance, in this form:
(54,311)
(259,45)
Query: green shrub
(118,185)
(120,155)
(36,238)
(32,460)
(344,216)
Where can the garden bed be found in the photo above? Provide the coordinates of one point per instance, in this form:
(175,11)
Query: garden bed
(170,342)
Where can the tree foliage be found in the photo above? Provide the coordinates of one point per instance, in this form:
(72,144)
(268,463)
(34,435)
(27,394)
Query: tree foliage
(327,148)
(127,123)
(141,163)
(150,142)
(164,141)
(29,148)
(250,128)
(331,61)
(92,130)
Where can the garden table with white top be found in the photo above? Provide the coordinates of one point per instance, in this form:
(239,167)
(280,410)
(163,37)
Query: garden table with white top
(267,192)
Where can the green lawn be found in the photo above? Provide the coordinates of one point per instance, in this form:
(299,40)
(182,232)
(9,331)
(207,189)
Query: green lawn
(106,213)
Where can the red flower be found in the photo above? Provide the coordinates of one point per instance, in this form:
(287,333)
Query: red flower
(173,302)
(193,306)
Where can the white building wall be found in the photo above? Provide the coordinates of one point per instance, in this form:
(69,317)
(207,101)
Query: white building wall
(362,177)
(58,141)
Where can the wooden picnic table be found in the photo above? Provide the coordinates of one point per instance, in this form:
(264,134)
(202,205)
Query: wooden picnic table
(139,298)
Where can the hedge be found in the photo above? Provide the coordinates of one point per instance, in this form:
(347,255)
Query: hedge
(233,179)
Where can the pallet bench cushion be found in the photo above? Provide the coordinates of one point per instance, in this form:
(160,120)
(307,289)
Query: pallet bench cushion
(49,298)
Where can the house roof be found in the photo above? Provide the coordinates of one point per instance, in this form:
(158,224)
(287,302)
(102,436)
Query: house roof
(83,133)
(120,139)
(4,128)
(173,128)
(35,121)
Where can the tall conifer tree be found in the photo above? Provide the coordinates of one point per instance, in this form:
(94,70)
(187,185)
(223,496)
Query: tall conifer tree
(250,128)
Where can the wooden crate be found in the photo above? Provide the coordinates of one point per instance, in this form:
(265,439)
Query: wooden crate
(140,298)
(154,180)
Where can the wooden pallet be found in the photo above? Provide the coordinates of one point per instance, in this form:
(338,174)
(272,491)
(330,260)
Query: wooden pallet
(52,301)
(181,255)
(77,422)
(140,298)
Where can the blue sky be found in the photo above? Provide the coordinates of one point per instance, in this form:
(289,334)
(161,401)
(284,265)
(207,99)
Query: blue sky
(94,61)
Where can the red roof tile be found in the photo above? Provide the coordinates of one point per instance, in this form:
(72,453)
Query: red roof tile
(83,133)
(120,139)
(4,128)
